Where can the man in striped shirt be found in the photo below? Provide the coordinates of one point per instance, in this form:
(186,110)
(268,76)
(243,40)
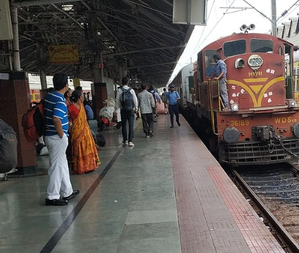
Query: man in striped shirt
(56,139)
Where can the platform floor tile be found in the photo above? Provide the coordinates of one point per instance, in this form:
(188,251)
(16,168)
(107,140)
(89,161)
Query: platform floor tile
(213,215)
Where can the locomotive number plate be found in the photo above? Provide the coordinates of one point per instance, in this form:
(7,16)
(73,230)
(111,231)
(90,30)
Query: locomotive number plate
(236,123)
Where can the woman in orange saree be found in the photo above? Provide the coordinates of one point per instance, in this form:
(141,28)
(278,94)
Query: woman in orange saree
(85,153)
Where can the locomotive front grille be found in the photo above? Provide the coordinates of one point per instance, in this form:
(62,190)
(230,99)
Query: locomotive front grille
(254,152)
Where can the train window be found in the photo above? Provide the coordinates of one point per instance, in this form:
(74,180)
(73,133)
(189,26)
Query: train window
(261,46)
(234,48)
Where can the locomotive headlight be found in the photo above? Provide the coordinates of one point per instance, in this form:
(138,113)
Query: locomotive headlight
(295,130)
(235,107)
(231,135)
(239,63)
(292,103)
(255,61)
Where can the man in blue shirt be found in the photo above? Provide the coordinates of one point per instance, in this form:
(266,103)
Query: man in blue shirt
(56,118)
(173,106)
(163,97)
(220,75)
(88,110)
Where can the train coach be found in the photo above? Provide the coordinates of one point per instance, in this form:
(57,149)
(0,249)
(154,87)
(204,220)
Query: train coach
(262,125)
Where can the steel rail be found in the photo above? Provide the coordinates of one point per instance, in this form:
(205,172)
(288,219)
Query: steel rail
(287,238)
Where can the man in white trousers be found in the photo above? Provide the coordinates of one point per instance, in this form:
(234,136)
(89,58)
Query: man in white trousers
(56,139)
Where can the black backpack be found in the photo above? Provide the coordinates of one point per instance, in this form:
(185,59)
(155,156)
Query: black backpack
(127,99)
(100,140)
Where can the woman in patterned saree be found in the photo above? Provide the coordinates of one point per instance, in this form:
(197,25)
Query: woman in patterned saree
(85,154)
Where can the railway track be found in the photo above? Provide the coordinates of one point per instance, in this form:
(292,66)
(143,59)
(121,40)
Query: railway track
(274,190)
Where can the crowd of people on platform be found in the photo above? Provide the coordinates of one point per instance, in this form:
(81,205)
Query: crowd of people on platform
(69,139)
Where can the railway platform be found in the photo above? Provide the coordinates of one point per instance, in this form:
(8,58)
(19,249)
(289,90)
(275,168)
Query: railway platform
(167,194)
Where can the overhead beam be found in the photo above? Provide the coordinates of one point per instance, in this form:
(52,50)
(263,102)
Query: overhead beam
(156,72)
(143,50)
(69,16)
(102,23)
(151,65)
(42,2)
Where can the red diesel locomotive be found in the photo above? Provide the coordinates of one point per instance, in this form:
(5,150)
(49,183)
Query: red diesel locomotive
(262,125)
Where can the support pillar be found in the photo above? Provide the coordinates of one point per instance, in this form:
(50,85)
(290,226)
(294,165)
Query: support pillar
(99,95)
(98,88)
(15,101)
(76,82)
(43,79)
(44,92)
(42,72)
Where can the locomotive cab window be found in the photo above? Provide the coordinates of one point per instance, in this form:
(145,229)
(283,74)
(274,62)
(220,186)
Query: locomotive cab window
(261,46)
(234,48)
(209,62)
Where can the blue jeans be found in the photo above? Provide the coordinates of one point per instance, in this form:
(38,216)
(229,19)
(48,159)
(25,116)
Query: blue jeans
(127,116)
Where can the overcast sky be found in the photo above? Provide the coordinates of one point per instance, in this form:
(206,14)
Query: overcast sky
(223,21)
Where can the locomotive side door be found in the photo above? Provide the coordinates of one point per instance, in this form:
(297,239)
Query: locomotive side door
(208,69)
(286,51)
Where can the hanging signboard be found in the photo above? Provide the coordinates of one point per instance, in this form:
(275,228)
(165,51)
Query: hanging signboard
(63,54)
(191,12)
(5,21)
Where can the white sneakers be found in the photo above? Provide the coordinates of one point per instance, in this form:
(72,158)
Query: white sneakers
(130,144)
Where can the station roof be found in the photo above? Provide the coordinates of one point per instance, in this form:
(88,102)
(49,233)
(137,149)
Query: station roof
(136,34)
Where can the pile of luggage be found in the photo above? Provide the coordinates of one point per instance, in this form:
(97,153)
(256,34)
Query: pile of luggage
(8,149)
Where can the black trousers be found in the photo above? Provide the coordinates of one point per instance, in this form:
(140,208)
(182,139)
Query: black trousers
(147,122)
(127,116)
(174,109)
